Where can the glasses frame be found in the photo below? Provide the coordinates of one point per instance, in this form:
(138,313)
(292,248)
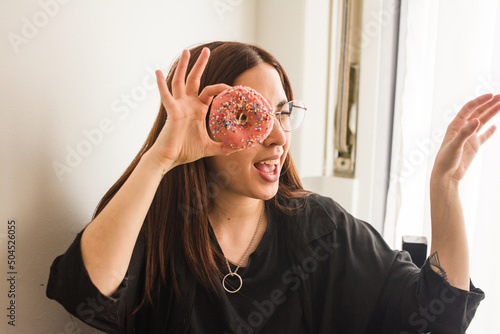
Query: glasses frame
(278,114)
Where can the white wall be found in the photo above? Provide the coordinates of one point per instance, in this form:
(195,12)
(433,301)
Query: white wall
(68,72)
(299,39)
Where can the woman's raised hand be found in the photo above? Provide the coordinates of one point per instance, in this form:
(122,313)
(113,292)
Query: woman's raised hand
(460,145)
(184,137)
(462,141)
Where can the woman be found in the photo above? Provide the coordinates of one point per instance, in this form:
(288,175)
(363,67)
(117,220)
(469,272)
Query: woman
(196,237)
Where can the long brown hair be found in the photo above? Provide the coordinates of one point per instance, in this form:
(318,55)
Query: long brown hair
(178,215)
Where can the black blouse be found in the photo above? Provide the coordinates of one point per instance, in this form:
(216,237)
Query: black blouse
(317,271)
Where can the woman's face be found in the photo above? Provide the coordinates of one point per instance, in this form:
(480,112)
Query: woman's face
(244,173)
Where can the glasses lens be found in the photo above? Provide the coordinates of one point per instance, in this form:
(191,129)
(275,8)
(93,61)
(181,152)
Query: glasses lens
(292,114)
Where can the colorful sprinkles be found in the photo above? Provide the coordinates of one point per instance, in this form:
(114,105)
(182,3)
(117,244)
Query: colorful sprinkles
(240,117)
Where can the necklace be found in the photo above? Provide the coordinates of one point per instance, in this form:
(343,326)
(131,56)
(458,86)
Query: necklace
(234,273)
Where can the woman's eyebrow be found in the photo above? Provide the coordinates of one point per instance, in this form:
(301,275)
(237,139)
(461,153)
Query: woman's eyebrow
(281,104)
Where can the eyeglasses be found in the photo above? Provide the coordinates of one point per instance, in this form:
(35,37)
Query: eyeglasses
(291,115)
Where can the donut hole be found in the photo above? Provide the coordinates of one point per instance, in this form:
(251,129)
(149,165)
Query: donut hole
(242,118)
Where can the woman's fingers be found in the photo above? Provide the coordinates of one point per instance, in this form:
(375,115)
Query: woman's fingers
(217,148)
(465,133)
(462,141)
(482,108)
(470,107)
(209,92)
(193,79)
(492,108)
(178,80)
(166,97)
(487,134)
(182,85)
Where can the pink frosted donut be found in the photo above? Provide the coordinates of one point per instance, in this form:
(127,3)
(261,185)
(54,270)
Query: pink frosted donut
(240,117)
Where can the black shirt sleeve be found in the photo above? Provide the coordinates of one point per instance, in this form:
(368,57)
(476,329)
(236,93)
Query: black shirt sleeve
(374,289)
(417,300)
(70,285)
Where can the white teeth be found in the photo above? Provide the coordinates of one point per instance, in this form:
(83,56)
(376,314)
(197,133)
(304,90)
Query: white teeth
(270,162)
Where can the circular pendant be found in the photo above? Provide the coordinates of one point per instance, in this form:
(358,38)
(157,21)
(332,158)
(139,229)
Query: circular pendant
(224,283)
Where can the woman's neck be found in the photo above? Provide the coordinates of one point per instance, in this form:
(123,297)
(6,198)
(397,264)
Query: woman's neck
(236,213)
(235,223)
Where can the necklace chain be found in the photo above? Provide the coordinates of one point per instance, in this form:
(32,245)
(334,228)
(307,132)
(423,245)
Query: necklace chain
(234,273)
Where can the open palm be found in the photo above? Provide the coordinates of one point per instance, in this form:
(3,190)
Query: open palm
(462,141)
(184,137)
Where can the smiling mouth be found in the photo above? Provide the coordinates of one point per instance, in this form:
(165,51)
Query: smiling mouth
(269,167)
